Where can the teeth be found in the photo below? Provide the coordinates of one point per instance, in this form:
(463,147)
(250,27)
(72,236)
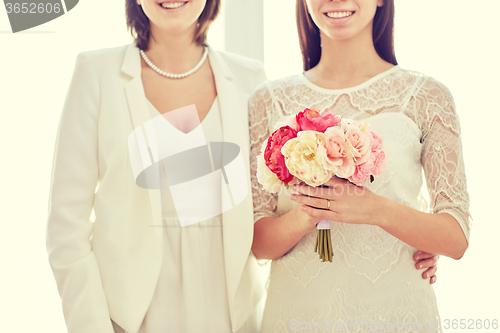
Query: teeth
(172,5)
(339,14)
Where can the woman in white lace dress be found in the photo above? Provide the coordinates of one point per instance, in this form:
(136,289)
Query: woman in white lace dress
(372,284)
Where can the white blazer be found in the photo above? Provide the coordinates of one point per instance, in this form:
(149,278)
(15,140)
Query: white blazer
(109,268)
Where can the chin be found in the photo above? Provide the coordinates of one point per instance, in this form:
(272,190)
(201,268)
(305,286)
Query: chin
(345,34)
(339,35)
(174,27)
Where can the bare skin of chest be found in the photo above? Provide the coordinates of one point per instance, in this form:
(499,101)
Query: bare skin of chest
(170,94)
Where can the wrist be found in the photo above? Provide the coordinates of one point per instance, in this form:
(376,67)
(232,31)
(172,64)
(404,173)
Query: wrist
(299,222)
(385,210)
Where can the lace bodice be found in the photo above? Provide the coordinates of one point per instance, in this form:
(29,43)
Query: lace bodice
(427,102)
(372,276)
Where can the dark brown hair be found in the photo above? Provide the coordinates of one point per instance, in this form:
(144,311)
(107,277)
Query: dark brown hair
(138,22)
(310,40)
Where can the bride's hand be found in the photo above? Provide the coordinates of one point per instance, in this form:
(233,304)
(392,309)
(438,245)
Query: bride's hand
(348,203)
(427,261)
(304,221)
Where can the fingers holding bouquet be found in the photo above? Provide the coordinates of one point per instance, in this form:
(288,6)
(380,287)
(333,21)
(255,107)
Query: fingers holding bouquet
(337,200)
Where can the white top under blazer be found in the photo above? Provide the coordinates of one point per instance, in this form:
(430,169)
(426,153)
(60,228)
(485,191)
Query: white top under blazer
(113,268)
(191,296)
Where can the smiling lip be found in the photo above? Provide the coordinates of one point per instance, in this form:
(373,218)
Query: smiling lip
(339,17)
(172,5)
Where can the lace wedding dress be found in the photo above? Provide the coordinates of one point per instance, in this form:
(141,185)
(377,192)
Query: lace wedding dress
(372,283)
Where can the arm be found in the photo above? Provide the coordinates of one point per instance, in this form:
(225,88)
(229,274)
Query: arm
(446,229)
(443,231)
(72,188)
(273,236)
(436,233)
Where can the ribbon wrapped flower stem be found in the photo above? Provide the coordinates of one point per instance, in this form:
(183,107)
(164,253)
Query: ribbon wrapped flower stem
(323,245)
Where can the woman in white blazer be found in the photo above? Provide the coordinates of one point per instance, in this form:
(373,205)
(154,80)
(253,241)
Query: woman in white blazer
(111,273)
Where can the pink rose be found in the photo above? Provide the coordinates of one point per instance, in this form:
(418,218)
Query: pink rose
(336,153)
(359,142)
(273,157)
(374,165)
(378,153)
(362,172)
(331,119)
(311,120)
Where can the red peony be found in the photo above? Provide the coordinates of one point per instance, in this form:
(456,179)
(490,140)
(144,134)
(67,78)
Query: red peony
(275,160)
(311,120)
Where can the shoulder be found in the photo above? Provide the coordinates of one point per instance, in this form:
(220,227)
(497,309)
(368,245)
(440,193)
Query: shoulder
(247,73)
(426,85)
(433,101)
(286,82)
(427,94)
(234,60)
(283,83)
(272,88)
(105,53)
(105,59)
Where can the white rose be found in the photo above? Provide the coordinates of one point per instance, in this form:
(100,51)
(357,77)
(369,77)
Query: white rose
(302,158)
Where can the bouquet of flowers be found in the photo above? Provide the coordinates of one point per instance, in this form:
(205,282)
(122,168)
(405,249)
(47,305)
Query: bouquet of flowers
(314,148)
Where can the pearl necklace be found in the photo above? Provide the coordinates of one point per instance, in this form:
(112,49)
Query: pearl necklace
(175,76)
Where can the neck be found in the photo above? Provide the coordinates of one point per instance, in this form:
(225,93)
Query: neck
(175,53)
(346,59)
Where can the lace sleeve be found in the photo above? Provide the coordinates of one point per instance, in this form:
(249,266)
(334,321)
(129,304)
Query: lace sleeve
(441,157)
(259,108)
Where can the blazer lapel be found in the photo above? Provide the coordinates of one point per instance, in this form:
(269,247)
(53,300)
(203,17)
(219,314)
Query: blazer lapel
(139,114)
(238,221)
